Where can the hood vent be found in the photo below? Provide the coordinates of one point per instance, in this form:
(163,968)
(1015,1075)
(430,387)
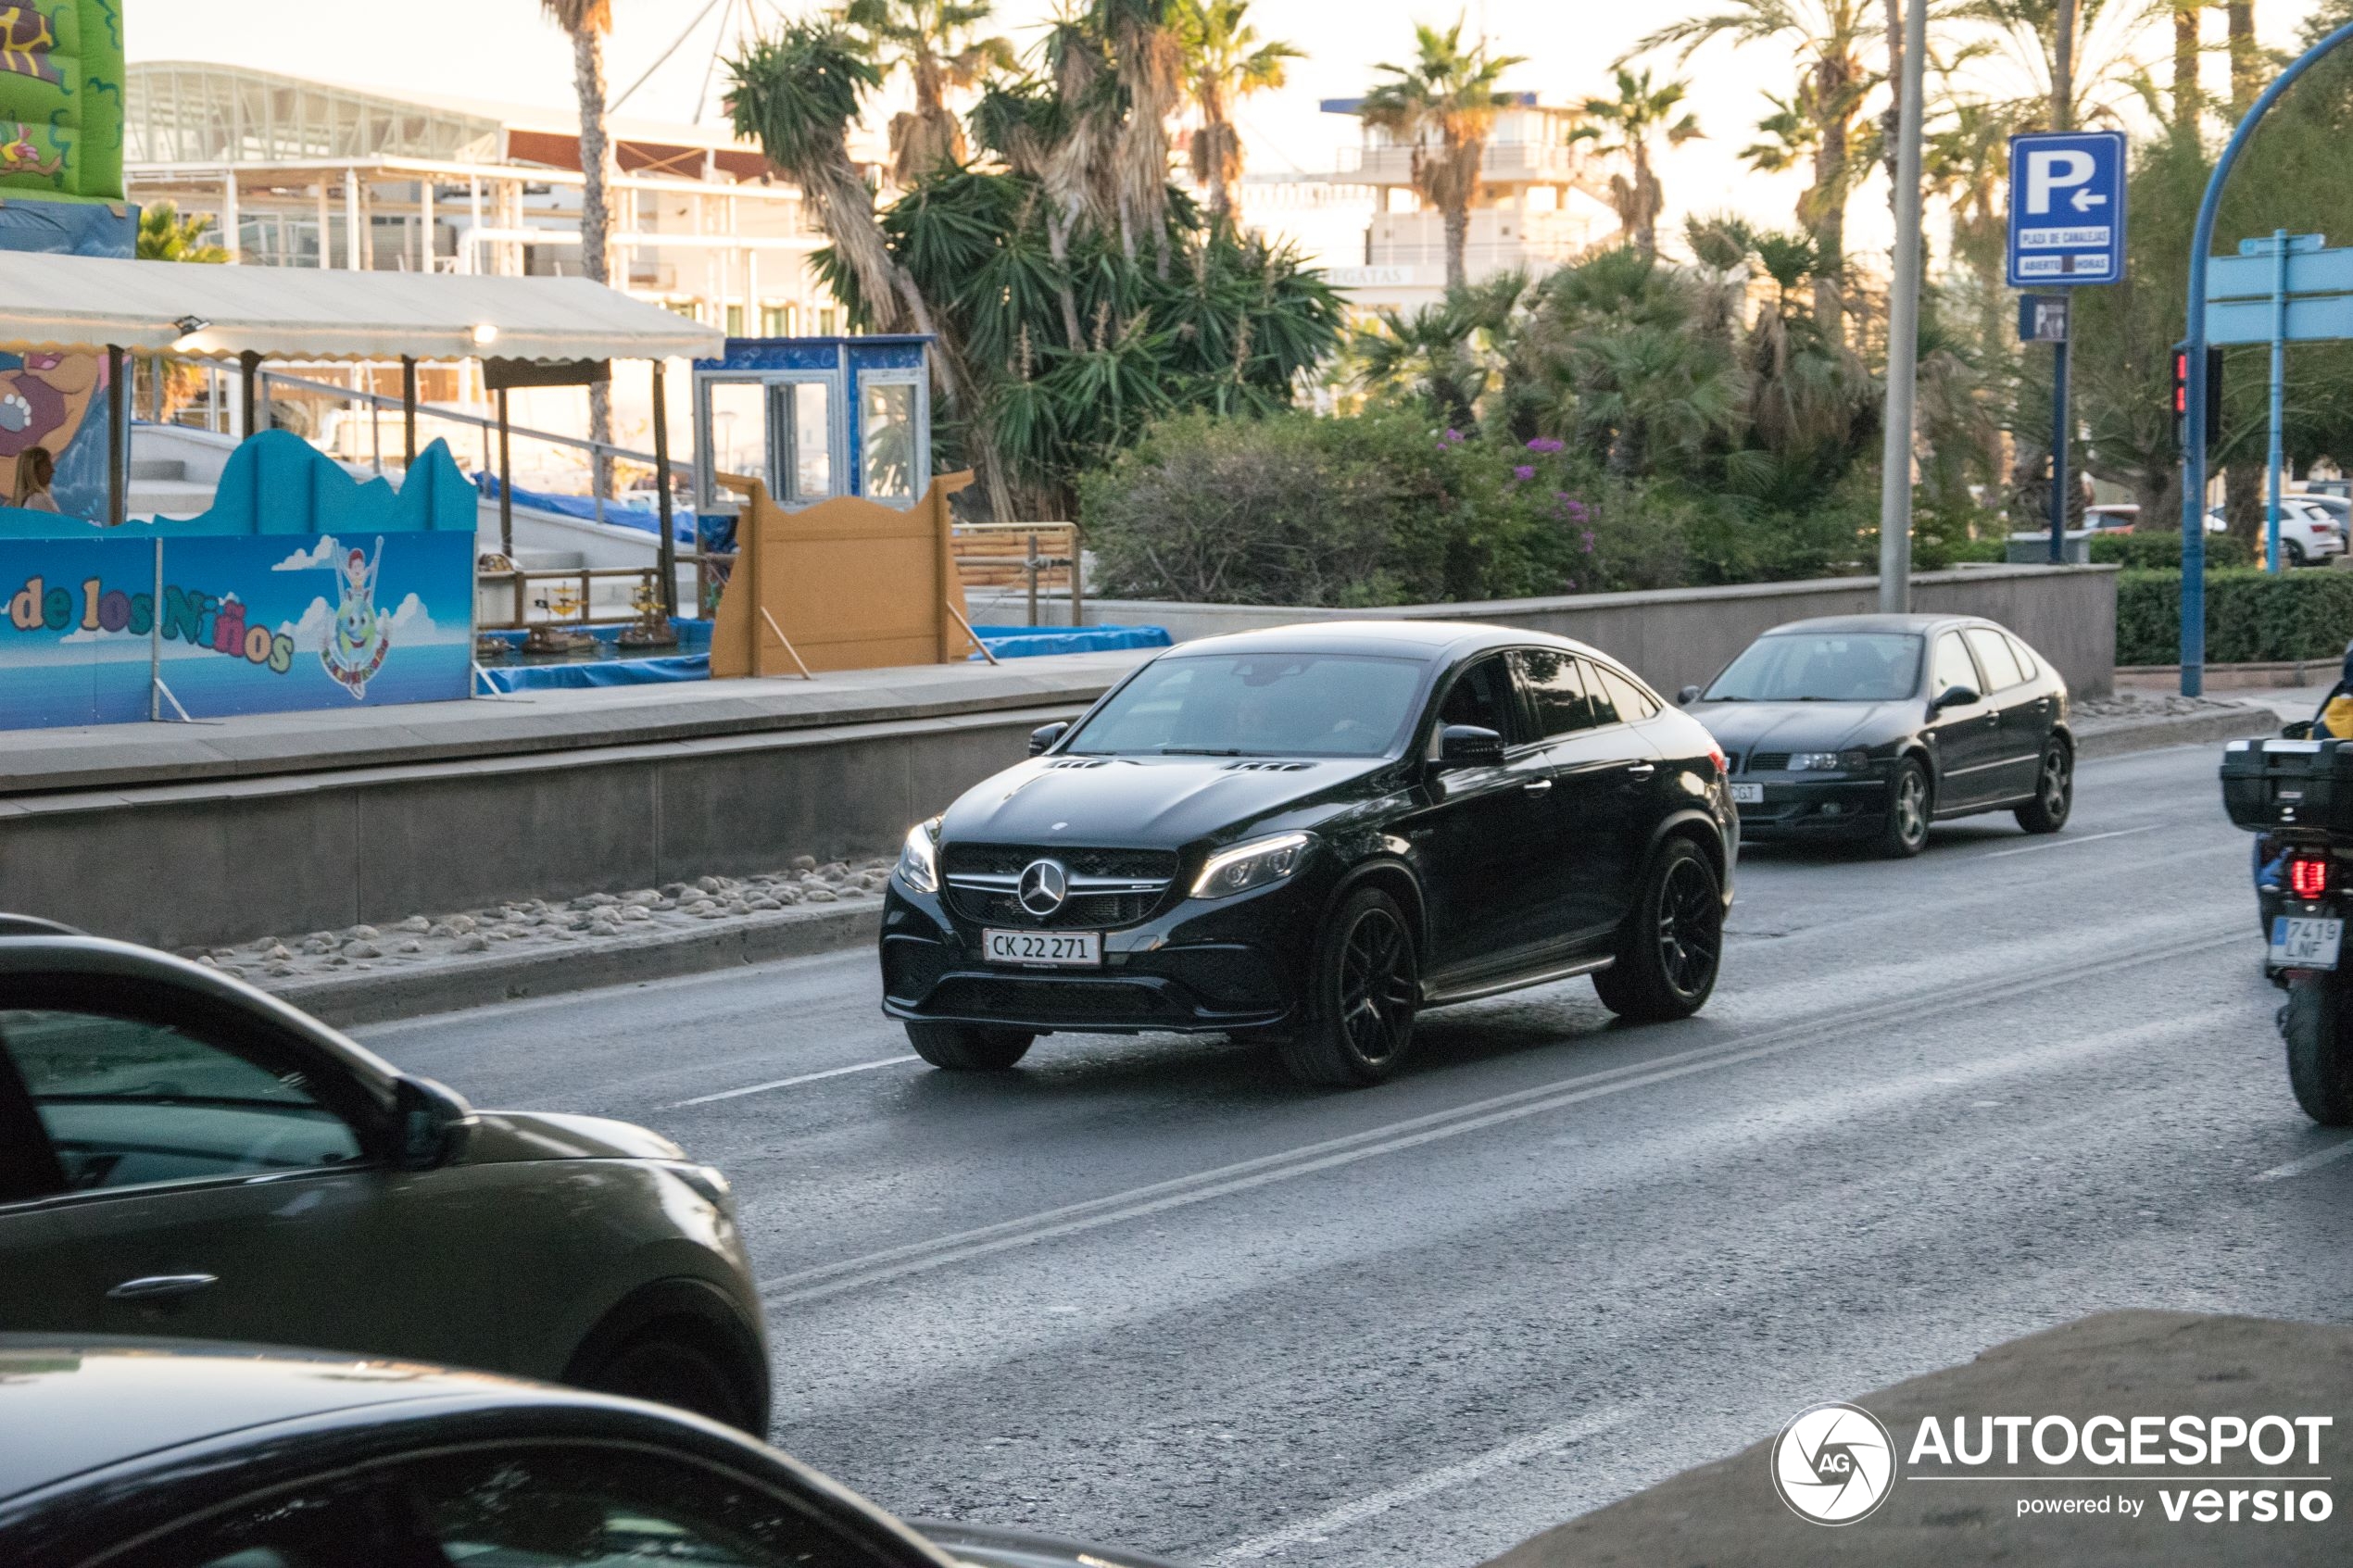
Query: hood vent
(1069,763)
(1268,767)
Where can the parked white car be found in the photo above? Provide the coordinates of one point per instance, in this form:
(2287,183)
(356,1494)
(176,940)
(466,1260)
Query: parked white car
(2309,532)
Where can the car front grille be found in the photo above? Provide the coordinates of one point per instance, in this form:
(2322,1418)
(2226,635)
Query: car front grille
(1768,762)
(991,907)
(1008,860)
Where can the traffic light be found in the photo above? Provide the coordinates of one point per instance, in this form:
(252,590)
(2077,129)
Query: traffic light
(2181,404)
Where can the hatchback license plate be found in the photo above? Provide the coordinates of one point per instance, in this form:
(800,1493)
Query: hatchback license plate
(1045,950)
(1748,795)
(2300,943)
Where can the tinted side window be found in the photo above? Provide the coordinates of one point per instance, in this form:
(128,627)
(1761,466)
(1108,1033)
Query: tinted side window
(2027,662)
(1556,693)
(128,1104)
(580,1506)
(1993,652)
(1482,695)
(1633,703)
(1952,666)
(342,1524)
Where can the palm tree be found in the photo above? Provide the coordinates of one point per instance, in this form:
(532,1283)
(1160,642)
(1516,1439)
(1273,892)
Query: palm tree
(1224,61)
(1448,94)
(1829,37)
(1148,62)
(587,21)
(2246,60)
(165,235)
(933,42)
(2187,99)
(1639,112)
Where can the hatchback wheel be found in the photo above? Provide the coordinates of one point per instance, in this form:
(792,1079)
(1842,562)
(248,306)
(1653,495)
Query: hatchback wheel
(1905,832)
(675,1369)
(2293,551)
(1364,987)
(2054,791)
(960,1048)
(1673,943)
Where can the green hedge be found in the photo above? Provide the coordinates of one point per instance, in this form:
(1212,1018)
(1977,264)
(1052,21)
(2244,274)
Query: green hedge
(2251,617)
(2163,552)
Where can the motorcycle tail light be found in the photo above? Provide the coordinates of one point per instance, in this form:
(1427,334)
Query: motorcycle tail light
(2307,878)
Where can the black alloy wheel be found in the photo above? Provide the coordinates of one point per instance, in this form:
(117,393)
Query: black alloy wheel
(1673,943)
(1365,989)
(2054,790)
(2293,551)
(1905,832)
(961,1047)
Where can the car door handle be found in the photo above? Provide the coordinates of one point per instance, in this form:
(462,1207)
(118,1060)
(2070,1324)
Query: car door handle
(161,1287)
(1640,770)
(1537,786)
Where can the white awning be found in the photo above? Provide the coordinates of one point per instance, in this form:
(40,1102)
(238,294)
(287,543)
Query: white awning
(73,302)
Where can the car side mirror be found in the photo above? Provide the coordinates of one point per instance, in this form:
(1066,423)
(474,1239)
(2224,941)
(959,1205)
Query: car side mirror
(1687,696)
(1045,735)
(430,1122)
(1954,696)
(1468,746)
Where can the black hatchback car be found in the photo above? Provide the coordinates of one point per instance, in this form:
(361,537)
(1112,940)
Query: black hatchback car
(153,1453)
(1872,727)
(1306,835)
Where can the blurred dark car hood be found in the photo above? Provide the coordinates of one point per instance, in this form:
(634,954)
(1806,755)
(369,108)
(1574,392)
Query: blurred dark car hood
(1163,802)
(992,1545)
(1806,726)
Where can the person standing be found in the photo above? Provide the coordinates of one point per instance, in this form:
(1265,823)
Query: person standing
(36,470)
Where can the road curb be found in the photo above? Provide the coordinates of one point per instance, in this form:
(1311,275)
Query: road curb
(375,996)
(2242,721)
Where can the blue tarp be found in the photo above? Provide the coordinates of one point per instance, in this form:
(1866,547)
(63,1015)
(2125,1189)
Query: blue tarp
(694,636)
(1030,642)
(604,672)
(644,519)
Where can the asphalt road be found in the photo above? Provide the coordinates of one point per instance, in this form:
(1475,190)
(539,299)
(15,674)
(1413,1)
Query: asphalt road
(1148,1291)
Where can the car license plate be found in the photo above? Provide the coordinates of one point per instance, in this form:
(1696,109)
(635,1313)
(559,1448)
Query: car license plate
(1045,950)
(1748,795)
(2299,943)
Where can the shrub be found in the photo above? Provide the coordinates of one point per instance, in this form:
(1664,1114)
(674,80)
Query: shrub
(2162,551)
(1374,509)
(2251,617)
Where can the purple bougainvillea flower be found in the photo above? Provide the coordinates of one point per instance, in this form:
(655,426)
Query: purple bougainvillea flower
(1524,471)
(1546,443)
(1589,541)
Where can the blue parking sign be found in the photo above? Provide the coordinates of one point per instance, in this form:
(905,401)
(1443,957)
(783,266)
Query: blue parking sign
(2067,208)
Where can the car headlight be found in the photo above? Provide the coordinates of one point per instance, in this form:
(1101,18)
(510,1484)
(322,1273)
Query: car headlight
(1254,864)
(919,859)
(1830,762)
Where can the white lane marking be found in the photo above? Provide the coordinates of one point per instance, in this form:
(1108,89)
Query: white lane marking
(2328,1156)
(1372,1505)
(2070,842)
(786,1082)
(919,1257)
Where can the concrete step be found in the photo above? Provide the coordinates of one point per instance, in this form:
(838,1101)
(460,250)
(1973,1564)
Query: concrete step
(180,497)
(159,468)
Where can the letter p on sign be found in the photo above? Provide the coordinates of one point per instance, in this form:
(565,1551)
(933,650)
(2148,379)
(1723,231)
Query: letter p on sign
(2050,171)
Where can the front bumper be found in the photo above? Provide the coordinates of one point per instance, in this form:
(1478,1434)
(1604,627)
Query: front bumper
(1195,966)
(1796,806)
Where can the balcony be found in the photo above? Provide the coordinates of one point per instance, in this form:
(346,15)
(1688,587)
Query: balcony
(1504,163)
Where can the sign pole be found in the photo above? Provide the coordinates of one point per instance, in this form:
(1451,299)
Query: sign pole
(2279,399)
(2062,119)
(1902,335)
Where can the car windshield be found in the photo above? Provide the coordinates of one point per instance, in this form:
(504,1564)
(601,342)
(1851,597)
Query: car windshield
(1257,705)
(1819,666)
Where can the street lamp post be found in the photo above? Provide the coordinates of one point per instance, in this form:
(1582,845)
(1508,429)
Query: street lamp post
(1903,331)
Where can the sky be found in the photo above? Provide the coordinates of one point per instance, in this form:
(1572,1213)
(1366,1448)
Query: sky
(506,50)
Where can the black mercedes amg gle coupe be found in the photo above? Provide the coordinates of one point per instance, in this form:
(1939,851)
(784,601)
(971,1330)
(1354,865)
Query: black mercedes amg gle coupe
(1308,834)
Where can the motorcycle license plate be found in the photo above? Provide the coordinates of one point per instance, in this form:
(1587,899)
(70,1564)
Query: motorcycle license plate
(1748,795)
(1046,949)
(2300,943)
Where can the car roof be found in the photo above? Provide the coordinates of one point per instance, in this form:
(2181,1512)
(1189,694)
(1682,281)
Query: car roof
(1396,639)
(71,1405)
(1908,622)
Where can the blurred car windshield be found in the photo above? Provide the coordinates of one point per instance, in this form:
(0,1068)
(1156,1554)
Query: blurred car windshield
(1257,705)
(1798,667)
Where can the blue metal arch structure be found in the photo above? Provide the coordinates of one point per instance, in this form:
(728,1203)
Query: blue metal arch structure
(2193,416)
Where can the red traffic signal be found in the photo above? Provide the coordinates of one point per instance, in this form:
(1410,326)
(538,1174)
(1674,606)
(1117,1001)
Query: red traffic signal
(2180,403)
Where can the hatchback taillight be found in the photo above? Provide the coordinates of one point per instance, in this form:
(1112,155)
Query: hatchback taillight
(2307,877)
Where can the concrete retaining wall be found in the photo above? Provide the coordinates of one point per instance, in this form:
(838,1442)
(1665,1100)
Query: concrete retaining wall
(1679,636)
(234,859)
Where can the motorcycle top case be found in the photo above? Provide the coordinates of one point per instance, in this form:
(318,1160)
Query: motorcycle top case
(2290,783)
